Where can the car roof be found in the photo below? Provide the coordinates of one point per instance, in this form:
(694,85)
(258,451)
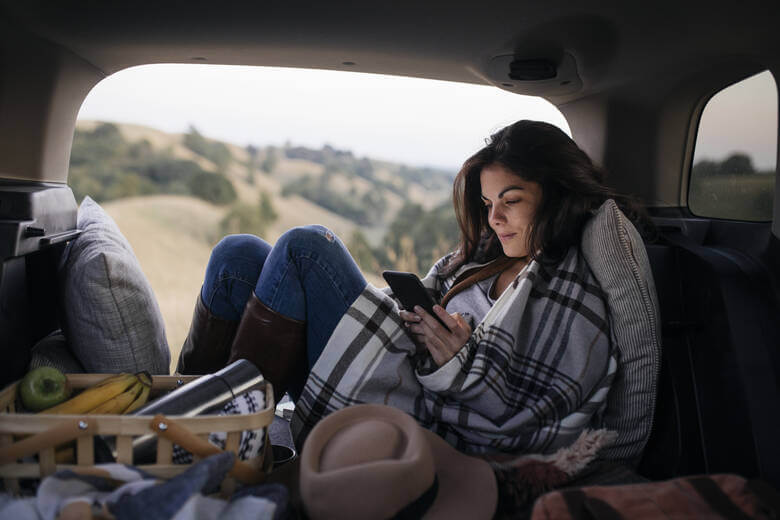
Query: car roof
(612,43)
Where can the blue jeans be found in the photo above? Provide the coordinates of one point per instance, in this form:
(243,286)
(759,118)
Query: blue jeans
(308,275)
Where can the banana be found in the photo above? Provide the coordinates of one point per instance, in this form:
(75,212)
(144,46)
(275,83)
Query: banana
(94,395)
(146,379)
(110,379)
(118,404)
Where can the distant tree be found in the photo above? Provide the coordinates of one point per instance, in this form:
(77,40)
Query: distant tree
(245,218)
(270,161)
(737,164)
(251,163)
(364,168)
(140,150)
(734,164)
(419,235)
(212,187)
(130,185)
(362,252)
(331,167)
(376,206)
(101,145)
(705,168)
(266,207)
(214,151)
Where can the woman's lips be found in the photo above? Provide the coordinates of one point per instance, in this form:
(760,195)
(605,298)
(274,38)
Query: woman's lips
(506,236)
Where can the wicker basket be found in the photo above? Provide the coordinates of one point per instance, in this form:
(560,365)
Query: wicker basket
(39,434)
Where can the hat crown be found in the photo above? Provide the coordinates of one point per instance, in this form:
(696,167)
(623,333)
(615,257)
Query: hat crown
(363,442)
(370,461)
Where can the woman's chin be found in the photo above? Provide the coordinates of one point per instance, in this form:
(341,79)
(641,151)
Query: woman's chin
(514,252)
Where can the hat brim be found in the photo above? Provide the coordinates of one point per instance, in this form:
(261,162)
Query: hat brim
(467,485)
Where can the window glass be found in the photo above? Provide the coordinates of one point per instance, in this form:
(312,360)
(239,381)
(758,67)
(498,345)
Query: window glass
(733,173)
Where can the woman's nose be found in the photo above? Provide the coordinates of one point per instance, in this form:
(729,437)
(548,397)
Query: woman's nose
(496,216)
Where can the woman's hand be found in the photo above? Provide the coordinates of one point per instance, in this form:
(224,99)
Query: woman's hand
(427,332)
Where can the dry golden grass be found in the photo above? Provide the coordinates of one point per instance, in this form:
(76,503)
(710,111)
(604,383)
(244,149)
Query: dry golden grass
(289,169)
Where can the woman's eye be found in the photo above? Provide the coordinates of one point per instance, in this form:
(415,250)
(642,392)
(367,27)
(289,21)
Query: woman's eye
(510,202)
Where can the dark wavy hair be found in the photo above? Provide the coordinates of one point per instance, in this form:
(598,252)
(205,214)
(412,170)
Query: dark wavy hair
(572,188)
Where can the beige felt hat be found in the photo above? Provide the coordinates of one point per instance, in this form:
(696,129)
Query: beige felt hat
(375,461)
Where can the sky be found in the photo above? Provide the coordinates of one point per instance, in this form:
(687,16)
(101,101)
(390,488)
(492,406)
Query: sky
(413,121)
(741,118)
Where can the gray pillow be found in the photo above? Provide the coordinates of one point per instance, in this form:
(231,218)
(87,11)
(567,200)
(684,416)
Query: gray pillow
(110,315)
(616,254)
(53,351)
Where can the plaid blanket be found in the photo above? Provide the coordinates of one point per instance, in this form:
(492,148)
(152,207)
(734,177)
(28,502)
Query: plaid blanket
(534,374)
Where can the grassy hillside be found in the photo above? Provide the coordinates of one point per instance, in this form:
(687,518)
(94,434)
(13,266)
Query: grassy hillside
(172,231)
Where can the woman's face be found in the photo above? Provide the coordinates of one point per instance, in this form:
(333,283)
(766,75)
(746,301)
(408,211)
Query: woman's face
(511,203)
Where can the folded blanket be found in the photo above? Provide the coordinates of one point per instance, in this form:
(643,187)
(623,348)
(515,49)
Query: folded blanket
(125,492)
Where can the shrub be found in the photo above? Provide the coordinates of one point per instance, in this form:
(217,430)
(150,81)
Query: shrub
(212,187)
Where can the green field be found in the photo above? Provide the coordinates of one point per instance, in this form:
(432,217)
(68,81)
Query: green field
(739,197)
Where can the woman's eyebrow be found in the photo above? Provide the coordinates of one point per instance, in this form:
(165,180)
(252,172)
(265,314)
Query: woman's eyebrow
(508,188)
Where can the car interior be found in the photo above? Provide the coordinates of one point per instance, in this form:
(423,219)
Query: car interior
(632,80)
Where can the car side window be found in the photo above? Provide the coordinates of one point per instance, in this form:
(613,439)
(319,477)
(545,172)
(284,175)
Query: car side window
(733,173)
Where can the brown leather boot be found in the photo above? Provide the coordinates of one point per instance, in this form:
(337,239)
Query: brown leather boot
(208,342)
(275,343)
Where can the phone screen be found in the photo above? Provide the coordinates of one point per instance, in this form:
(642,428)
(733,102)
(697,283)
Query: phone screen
(410,292)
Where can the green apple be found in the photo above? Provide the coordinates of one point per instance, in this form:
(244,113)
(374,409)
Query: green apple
(42,388)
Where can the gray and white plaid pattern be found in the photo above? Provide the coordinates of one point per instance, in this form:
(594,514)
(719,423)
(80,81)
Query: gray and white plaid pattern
(533,375)
(251,443)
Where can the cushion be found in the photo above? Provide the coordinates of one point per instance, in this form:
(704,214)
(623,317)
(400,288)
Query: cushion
(616,254)
(109,312)
(53,351)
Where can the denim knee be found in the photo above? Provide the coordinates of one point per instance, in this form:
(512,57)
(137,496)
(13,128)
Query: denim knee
(309,237)
(232,272)
(244,246)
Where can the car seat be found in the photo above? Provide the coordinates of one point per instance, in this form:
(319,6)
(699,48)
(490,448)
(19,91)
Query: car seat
(717,407)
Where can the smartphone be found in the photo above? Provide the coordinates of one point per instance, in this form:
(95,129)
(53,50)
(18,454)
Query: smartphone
(410,292)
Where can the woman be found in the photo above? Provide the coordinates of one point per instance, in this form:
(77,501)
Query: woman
(527,362)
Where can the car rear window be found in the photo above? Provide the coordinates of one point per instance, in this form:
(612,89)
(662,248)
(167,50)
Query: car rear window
(181,155)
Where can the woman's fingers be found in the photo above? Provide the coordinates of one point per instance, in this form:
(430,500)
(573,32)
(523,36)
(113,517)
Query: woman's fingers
(463,329)
(441,343)
(446,317)
(426,331)
(409,316)
(429,320)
